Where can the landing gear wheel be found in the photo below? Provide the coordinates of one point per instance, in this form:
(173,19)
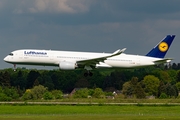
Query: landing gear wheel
(85,74)
(88,74)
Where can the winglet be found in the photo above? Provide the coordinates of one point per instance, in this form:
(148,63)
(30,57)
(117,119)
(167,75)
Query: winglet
(160,50)
(117,52)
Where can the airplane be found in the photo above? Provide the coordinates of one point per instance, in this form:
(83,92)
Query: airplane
(71,60)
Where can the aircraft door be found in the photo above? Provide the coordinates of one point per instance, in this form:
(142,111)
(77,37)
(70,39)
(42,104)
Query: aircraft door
(51,56)
(138,62)
(20,54)
(135,62)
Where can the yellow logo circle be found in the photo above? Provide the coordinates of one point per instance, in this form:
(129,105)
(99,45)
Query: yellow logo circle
(163,46)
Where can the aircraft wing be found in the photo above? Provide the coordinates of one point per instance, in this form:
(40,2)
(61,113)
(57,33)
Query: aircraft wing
(165,60)
(94,61)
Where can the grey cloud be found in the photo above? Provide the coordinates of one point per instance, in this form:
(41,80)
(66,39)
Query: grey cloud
(45,6)
(87,25)
(139,10)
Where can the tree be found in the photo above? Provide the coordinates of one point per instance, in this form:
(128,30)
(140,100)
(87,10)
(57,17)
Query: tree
(132,88)
(164,76)
(55,76)
(19,78)
(32,76)
(178,66)
(48,82)
(82,83)
(36,82)
(151,85)
(139,91)
(96,81)
(116,79)
(127,89)
(171,90)
(134,81)
(178,76)
(66,81)
(174,66)
(172,74)
(5,79)
(161,88)
(178,86)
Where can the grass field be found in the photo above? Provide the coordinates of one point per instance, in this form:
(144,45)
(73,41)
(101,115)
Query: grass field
(62,112)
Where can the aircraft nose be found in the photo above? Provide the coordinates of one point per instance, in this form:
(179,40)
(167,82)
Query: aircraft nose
(6,59)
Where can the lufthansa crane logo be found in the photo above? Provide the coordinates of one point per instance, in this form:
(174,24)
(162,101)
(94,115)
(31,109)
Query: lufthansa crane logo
(163,46)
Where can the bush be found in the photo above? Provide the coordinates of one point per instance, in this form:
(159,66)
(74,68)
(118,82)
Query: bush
(12,93)
(38,92)
(8,94)
(57,94)
(163,96)
(91,92)
(4,97)
(98,93)
(27,95)
(35,93)
(109,94)
(81,93)
(48,96)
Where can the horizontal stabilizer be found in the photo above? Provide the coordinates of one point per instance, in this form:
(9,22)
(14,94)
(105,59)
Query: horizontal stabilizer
(165,60)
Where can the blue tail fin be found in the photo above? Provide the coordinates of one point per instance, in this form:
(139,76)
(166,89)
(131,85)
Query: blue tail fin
(160,50)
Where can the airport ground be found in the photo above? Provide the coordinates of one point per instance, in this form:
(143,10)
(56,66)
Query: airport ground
(88,111)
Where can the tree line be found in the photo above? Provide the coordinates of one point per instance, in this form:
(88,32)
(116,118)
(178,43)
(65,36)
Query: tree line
(160,81)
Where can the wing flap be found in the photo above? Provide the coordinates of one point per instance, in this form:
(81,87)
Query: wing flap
(94,61)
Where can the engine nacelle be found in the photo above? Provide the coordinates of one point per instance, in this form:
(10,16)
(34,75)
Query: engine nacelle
(66,65)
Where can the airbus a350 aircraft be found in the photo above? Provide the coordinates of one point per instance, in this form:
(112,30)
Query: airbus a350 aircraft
(70,60)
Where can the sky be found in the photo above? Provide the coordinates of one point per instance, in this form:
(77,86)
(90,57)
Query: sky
(88,25)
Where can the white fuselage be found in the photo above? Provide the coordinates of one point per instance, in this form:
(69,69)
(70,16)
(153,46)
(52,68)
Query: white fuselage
(53,58)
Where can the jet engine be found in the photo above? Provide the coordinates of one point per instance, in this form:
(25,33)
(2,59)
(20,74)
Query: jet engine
(66,65)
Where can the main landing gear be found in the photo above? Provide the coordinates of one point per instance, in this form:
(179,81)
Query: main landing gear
(88,73)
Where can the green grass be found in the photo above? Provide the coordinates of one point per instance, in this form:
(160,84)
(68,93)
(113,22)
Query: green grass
(119,100)
(56,112)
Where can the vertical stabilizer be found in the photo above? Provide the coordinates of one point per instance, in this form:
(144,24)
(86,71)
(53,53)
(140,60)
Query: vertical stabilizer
(160,50)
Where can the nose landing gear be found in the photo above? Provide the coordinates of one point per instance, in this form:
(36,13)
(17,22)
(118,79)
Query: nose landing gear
(14,67)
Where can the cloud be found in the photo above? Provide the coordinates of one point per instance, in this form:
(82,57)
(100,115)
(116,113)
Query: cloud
(87,25)
(49,6)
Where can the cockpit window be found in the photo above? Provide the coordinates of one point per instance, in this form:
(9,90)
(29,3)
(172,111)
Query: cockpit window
(11,54)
